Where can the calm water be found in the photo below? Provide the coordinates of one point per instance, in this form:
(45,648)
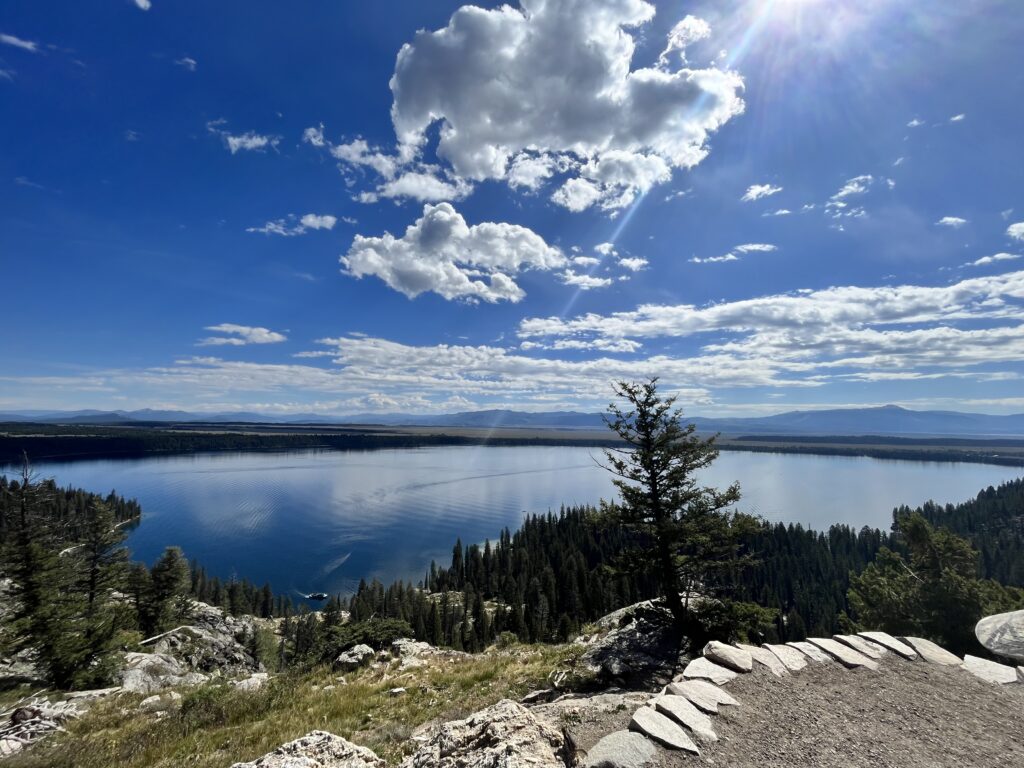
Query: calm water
(322,520)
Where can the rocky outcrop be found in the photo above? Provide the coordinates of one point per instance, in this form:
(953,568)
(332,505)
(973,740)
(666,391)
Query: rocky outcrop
(354,658)
(317,749)
(705,669)
(151,672)
(1003,634)
(213,642)
(990,671)
(621,749)
(640,648)
(728,656)
(505,735)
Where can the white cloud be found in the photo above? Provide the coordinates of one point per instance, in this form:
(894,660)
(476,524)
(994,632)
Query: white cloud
(757,191)
(755,248)
(240,335)
(1016,231)
(634,264)
(714,259)
(605,249)
(1005,215)
(584,282)
(858,185)
(440,252)
(187,62)
(250,142)
(899,161)
(417,185)
(735,253)
(957,118)
(996,257)
(520,94)
(358,152)
(6,74)
(954,222)
(779,212)
(17,42)
(585,261)
(144,5)
(915,123)
(684,34)
(289,227)
(130,135)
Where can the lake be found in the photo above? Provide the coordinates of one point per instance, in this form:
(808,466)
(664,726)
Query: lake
(320,521)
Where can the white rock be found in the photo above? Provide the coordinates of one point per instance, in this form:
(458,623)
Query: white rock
(810,650)
(791,657)
(253,682)
(680,709)
(886,640)
(861,645)
(728,656)
(990,671)
(160,703)
(1003,634)
(622,749)
(662,730)
(705,669)
(396,691)
(9,747)
(843,653)
(765,658)
(702,694)
(929,651)
(317,749)
(354,658)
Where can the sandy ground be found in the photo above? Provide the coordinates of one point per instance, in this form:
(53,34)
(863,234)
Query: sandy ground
(906,715)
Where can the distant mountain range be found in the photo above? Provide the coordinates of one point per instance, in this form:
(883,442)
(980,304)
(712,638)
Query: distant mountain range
(885,420)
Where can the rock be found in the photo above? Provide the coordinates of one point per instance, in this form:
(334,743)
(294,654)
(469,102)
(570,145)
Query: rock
(95,693)
(253,682)
(642,648)
(888,641)
(405,646)
(929,651)
(214,642)
(861,645)
(396,691)
(728,656)
(10,747)
(990,671)
(622,749)
(505,735)
(160,703)
(703,695)
(684,712)
(811,651)
(843,653)
(354,658)
(663,730)
(1003,634)
(151,672)
(317,749)
(541,696)
(791,657)
(587,706)
(705,669)
(765,658)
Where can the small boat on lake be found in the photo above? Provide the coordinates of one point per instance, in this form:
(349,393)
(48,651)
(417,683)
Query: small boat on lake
(316,596)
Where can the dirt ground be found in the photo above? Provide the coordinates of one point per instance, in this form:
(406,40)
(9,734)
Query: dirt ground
(906,715)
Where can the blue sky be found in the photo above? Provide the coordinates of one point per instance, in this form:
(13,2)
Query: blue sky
(408,206)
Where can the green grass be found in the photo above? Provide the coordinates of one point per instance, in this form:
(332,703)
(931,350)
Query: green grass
(217,725)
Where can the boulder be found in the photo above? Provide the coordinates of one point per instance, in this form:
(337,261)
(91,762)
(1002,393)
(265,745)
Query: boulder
(151,672)
(811,651)
(253,682)
(728,656)
(929,651)
(888,641)
(354,658)
(214,642)
(861,645)
(843,653)
(10,747)
(1003,634)
(641,649)
(505,735)
(317,749)
(765,658)
(160,703)
(655,725)
(684,712)
(621,749)
(705,669)
(703,695)
(990,671)
(791,657)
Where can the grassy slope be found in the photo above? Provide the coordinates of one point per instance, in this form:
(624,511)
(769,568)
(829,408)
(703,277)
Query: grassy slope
(217,725)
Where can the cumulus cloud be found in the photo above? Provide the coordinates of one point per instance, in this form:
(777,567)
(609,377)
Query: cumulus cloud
(584,282)
(250,142)
(994,258)
(757,191)
(441,253)
(1016,231)
(525,94)
(954,222)
(240,336)
(634,264)
(17,42)
(292,225)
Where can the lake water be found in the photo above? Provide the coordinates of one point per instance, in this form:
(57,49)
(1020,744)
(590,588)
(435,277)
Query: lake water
(320,521)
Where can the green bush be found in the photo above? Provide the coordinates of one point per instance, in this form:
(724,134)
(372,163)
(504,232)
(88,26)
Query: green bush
(376,633)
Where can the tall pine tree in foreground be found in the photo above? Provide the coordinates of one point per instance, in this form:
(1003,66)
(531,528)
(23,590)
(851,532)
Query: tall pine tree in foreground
(689,537)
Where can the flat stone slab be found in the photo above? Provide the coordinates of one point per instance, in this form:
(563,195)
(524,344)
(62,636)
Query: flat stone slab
(730,657)
(680,709)
(861,645)
(703,695)
(991,671)
(705,669)
(929,651)
(886,640)
(791,657)
(843,653)
(810,650)
(622,749)
(765,658)
(1003,634)
(663,730)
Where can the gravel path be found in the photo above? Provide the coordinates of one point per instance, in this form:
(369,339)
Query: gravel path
(909,714)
